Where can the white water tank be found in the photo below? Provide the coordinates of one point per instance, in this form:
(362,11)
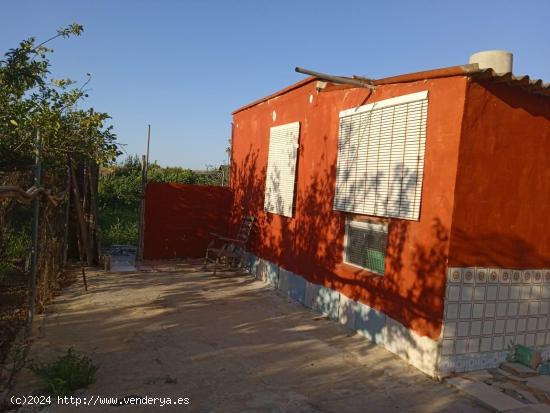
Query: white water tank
(498,60)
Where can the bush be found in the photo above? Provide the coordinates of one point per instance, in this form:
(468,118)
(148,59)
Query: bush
(65,375)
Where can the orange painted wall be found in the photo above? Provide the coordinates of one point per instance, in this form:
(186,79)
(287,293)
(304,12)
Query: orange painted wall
(310,243)
(502,200)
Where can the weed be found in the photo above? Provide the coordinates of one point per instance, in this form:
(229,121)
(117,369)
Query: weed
(68,373)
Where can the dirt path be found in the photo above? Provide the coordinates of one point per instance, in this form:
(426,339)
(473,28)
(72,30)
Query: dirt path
(229,344)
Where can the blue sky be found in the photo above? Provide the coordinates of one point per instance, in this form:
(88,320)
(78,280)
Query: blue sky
(184,66)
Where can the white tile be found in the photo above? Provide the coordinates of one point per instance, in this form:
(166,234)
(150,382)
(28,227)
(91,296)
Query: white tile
(523,308)
(516,277)
(462,329)
(546,291)
(453,292)
(460,346)
(490,309)
(479,293)
(532,324)
(498,343)
(530,339)
(475,328)
(520,339)
(451,312)
(499,326)
(522,324)
(488,326)
(493,275)
(467,293)
(537,276)
(465,310)
(477,310)
(536,292)
(505,276)
(515,292)
(492,291)
(503,292)
(542,323)
(527,276)
(544,308)
(481,275)
(473,345)
(525,292)
(548,338)
(540,338)
(513,309)
(501,309)
(468,275)
(455,275)
(510,326)
(447,347)
(546,276)
(485,344)
(449,330)
(533,307)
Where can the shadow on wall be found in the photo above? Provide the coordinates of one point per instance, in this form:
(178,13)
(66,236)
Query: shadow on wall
(311,244)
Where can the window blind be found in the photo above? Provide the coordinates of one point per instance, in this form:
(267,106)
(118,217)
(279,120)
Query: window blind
(381,157)
(281,169)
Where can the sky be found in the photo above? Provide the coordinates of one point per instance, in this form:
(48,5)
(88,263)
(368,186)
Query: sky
(184,66)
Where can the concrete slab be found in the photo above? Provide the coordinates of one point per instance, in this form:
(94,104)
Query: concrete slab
(347,311)
(370,323)
(540,382)
(282,285)
(297,288)
(487,395)
(518,369)
(229,344)
(326,302)
(311,294)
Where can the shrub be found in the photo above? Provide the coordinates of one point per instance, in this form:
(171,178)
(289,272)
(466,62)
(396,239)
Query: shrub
(65,375)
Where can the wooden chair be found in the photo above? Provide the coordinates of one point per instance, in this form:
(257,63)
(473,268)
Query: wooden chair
(229,251)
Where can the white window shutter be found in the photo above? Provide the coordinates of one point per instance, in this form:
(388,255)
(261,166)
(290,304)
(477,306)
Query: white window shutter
(281,169)
(381,157)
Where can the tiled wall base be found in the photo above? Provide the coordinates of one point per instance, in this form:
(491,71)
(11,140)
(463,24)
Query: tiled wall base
(488,310)
(421,352)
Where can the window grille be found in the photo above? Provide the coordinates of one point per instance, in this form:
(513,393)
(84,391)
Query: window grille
(381,157)
(281,169)
(365,245)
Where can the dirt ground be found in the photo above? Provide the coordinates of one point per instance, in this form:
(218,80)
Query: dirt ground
(229,344)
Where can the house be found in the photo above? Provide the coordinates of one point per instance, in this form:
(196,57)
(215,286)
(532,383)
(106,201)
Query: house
(416,212)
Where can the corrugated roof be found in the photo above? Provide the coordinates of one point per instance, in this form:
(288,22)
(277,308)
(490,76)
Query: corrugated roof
(537,86)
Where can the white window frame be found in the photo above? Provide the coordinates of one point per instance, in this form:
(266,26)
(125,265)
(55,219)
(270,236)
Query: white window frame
(376,226)
(368,186)
(282,159)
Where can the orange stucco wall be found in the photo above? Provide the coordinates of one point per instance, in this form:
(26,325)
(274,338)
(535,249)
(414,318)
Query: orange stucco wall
(502,202)
(310,243)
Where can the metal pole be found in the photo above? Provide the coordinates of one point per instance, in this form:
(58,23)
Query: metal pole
(34,248)
(66,234)
(141,227)
(336,79)
(148,142)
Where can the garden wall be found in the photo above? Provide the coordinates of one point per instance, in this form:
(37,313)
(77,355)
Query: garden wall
(179,219)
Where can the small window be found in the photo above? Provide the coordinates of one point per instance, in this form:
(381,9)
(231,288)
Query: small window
(365,245)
